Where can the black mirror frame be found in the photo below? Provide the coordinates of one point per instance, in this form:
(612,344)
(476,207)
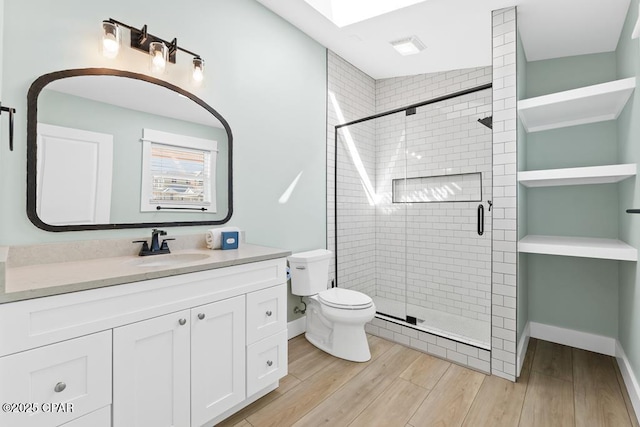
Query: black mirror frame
(32,167)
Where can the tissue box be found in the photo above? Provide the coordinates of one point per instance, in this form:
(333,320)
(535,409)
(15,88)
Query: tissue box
(229,240)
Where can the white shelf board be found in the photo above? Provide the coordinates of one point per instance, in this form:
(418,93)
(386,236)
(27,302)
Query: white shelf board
(586,247)
(577,176)
(577,106)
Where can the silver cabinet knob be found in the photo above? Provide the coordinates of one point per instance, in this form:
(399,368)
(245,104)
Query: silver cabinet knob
(182,322)
(269,363)
(59,387)
(201,316)
(269,313)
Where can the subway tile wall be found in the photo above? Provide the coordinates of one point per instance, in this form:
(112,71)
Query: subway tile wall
(402,91)
(503,342)
(351,96)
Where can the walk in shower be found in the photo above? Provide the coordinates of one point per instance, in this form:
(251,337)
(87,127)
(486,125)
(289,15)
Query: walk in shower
(413,190)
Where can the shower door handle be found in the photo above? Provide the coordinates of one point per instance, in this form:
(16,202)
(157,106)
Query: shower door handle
(480,219)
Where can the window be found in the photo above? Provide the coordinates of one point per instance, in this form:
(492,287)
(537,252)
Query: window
(178,172)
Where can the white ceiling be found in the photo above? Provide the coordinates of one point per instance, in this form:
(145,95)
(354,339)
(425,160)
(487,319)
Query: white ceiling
(135,95)
(457,33)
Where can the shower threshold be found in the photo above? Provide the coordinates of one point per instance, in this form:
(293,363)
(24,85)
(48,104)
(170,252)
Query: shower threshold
(447,325)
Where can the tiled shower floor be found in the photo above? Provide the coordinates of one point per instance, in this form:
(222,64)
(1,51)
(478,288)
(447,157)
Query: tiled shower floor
(459,328)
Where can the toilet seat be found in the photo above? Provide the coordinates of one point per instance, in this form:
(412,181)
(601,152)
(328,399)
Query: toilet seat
(345,299)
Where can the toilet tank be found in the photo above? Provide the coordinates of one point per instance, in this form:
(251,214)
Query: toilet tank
(309,272)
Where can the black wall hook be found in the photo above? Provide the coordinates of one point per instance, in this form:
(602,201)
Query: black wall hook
(11,112)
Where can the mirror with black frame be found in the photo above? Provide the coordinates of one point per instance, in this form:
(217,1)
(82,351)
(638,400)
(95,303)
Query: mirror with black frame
(110,149)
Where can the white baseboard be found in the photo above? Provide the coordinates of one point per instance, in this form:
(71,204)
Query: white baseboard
(297,327)
(523,344)
(582,340)
(630,380)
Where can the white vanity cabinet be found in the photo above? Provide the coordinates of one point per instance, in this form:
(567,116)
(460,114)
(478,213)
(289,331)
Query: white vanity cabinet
(185,350)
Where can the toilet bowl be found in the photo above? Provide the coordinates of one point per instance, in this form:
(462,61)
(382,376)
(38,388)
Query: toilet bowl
(335,316)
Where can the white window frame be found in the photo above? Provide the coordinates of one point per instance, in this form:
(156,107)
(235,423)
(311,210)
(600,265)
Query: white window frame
(150,136)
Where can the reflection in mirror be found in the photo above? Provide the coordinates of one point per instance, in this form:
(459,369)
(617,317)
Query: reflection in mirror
(112,149)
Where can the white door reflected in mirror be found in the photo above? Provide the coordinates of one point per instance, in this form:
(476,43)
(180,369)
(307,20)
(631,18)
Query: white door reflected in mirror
(78,191)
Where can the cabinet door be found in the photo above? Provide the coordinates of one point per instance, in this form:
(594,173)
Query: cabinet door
(151,372)
(217,358)
(64,381)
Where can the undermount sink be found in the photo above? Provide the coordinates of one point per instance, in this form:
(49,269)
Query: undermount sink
(167,260)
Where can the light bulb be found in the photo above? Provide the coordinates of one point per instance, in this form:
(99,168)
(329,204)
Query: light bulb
(198,75)
(110,46)
(158,60)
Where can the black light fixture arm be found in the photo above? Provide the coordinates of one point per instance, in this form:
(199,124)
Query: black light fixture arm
(140,39)
(12,112)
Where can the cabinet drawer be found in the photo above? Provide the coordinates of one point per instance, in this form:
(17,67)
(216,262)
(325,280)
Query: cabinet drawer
(64,380)
(266,312)
(99,418)
(266,362)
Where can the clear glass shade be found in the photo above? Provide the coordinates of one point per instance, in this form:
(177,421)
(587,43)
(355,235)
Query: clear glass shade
(159,55)
(198,70)
(110,39)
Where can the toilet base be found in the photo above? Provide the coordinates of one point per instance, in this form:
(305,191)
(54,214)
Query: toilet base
(357,350)
(344,338)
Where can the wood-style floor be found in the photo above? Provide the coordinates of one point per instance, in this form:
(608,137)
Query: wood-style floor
(559,386)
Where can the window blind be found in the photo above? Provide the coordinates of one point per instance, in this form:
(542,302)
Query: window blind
(180,175)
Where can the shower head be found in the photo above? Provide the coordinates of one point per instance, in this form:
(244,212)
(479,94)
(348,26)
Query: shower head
(487,121)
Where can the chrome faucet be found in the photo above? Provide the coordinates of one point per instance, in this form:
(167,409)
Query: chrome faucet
(156,247)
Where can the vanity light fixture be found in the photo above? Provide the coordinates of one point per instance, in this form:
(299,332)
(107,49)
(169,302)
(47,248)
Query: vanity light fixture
(408,46)
(160,51)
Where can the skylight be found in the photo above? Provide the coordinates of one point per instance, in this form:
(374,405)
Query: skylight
(346,12)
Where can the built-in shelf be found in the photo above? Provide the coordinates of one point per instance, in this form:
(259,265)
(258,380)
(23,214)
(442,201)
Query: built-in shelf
(577,176)
(577,106)
(586,247)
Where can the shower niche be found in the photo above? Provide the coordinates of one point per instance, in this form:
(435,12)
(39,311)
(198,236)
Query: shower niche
(413,214)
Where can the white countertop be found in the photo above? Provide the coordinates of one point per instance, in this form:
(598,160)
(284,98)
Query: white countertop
(38,280)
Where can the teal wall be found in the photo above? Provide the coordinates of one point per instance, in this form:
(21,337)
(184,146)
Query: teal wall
(265,77)
(628,65)
(574,293)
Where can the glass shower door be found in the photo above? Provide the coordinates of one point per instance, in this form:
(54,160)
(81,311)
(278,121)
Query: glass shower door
(447,193)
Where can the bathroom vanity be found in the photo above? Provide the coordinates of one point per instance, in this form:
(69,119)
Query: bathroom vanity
(169,340)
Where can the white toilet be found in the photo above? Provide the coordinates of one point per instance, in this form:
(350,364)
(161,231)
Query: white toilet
(335,316)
